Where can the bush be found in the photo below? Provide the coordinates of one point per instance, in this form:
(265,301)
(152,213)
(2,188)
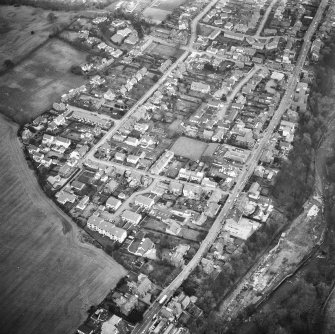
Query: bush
(8,64)
(76,69)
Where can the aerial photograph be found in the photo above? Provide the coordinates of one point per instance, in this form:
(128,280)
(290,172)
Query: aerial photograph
(167,166)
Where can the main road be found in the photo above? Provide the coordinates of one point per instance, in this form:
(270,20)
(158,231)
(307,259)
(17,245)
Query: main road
(243,178)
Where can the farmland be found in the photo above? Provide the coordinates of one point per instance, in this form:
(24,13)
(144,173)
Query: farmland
(23,28)
(31,87)
(49,276)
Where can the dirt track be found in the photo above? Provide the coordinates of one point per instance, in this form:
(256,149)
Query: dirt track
(48,280)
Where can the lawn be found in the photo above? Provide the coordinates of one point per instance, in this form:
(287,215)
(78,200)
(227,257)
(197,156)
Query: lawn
(156,15)
(31,87)
(161,9)
(49,276)
(165,51)
(169,4)
(189,148)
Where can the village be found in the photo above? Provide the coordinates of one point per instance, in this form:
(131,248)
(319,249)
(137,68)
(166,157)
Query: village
(146,155)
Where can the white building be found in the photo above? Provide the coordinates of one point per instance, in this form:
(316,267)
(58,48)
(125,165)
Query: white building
(200,87)
(47,139)
(113,203)
(191,191)
(60,141)
(131,217)
(83,203)
(162,162)
(242,229)
(132,141)
(144,201)
(107,229)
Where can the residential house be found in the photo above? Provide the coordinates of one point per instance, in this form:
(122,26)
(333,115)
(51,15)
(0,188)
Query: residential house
(132,141)
(177,255)
(131,217)
(109,95)
(77,185)
(113,203)
(207,183)
(192,191)
(83,203)
(38,156)
(147,140)
(176,188)
(242,229)
(132,39)
(207,265)
(100,315)
(144,201)
(141,127)
(59,120)
(162,162)
(190,175)
(212,209)
(88,117)
(111,326)
(233,35)
(173,227)
(200,87)
(47,139)
(107,229)
(120,156)
(254,191)
(133,159)
(85,329)
(142,287)
(144,248)
(159,190)
(64,197)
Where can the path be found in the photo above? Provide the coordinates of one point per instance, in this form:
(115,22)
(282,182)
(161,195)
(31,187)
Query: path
(265,18)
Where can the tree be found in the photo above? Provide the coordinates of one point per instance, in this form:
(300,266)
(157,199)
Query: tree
(281,330)
(55,30)
(51,17)
(76,69)
(8,63)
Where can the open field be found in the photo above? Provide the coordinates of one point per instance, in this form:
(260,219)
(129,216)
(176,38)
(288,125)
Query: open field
(17,25)
(31,87)
(189,148)
(164,50)
(49,277)
(160,9)
(156,15)
(169,5)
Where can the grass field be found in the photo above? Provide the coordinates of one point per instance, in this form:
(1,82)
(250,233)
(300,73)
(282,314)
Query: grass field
(160,9)
(164,50)
(189,148)
(156,15)
(16,25)
(49,277)
(31,87)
